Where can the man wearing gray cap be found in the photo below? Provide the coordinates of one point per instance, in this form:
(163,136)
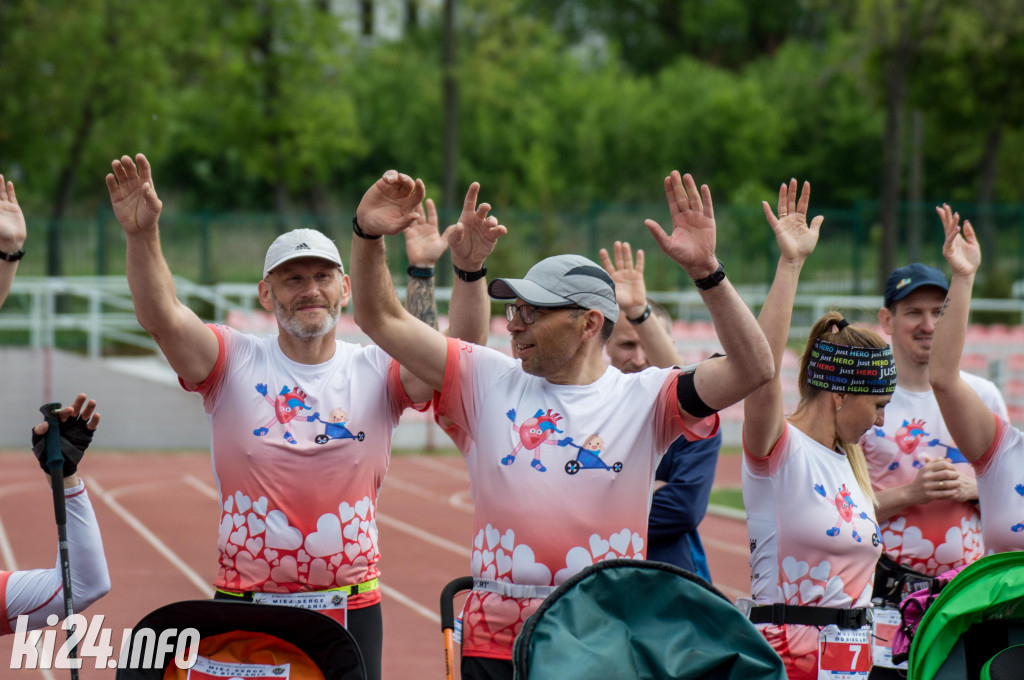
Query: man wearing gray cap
(593,435)
(301,421)
(927,491)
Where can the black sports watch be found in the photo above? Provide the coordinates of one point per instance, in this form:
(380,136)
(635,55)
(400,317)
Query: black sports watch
(12,257)
(713,280)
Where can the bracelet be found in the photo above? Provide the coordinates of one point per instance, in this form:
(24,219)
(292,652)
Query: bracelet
(470,277)
(362,234)
(713,280)
(12,257)
(640,319)
(420,272)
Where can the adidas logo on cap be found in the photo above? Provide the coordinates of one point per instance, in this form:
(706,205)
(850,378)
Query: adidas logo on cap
(303,246)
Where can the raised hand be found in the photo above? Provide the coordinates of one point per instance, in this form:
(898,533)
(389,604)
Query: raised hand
(391,205)
(964,253)
(692,241)
(12,220)
(424,244)
(472,239)
(630,289)
(132,194)
(796,238)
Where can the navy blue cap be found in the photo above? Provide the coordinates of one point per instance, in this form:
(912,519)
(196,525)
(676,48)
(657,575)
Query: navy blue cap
(905,280)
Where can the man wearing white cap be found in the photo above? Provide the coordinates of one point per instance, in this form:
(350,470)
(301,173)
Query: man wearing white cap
(298,485)
(592,436)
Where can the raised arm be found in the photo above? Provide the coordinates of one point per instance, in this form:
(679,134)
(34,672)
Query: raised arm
(747,365)
(969,419)
(631,294)
(12,236)
(763,417)
(190,347)
(388,207)
(424,245)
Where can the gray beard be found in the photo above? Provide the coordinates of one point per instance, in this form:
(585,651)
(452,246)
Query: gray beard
(302,331)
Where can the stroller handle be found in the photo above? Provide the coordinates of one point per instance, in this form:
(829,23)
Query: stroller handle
(448,594)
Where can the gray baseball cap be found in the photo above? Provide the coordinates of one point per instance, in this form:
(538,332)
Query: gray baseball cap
(560,281)
(300,243)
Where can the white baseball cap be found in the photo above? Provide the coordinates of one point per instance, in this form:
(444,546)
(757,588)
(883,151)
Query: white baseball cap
(560,281)
(301,243)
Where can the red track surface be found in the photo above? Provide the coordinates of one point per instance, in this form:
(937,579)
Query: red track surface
(158,516)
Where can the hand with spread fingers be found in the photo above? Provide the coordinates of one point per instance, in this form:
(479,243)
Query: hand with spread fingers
(796,238)
(133,195)
(961,248)
(391,205)
(630,289)
(472,239)
(424,243)
(692,241)
(12,220)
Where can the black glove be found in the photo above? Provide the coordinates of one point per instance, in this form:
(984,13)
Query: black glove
(75,438)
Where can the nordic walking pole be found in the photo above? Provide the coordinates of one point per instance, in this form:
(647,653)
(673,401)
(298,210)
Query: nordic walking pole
(55,464)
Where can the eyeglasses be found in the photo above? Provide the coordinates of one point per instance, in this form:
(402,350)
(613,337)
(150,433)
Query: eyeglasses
(528,313)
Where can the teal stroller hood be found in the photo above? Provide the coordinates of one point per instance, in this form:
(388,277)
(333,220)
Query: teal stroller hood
(636,619)
(979,614)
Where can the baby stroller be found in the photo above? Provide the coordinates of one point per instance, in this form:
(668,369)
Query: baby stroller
(242,639)
(975,627)
(638,619)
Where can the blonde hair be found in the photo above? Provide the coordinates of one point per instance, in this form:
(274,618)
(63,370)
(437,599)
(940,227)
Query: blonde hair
(829,327)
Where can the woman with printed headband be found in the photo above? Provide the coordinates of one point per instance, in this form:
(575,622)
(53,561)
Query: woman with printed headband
(993,446)
(810,509)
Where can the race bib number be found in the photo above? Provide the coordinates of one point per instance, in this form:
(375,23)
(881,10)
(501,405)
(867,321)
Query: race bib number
(887,622)
(208,669)
(844,654)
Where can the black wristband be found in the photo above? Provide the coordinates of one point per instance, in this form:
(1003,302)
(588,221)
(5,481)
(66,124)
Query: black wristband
(12,257)
(686,394)
(640,319)
(470,277)
(362,234)
(713,280)
(420,272)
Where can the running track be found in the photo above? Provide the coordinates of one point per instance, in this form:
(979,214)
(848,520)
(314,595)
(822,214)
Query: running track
(158,516)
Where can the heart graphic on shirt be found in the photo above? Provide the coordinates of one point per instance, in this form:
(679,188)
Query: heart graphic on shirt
(287,572)
(508,540)
(242,502)
(229,504)
(280,534)
(336,560)
(833,589)
(252,570)
(478,542)
(620,541)
(952,550)
(525,569)
(488,573)
(638,544)
(231,549)
(230,575)
(504,562)
(365,543)
(915,543)
(488,556)
(302,556)
(319,575)
(255,524)
(271,587)
(809,592)
(224,530)
(326,540)
(254,545)
(351,550)
(238,520)
(274,563)
(475,562)
(576,560)
(362,507)
(897,524)
(351,530)
(794,569)
(891,541)
(270,554)
(238,537)
(789,590)
(303,569)
(492,537)
(260,506)
(821,571)
(346,511)
(598,546)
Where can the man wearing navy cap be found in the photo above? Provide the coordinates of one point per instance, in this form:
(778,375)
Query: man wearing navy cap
(927,494)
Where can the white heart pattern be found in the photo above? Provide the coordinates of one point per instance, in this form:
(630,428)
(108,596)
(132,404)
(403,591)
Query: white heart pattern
(351,530)
(260,506)
(620,541)
(638,544)
(362,507)
(238,537)
(508,540)
(598,546)
(478,542)
(256,525)
(280,534)
(326,540)
(576,560)
(492,537)
(525,568)
(229,504)
(794,569)
(254,545)
(346,511)
(504,562)
(242,502)
(821,571)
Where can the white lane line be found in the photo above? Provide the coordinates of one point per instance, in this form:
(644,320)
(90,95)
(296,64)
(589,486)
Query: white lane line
(202,487)
(426,461)
(204,587)
(6,550)
(410,603)
(462,500)
(727,547)
(425,536)
(12,489)
(454,500)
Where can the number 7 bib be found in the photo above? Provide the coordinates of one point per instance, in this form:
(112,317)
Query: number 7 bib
(844,654)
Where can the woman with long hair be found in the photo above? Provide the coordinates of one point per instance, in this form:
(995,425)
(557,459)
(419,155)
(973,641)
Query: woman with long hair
(810,508)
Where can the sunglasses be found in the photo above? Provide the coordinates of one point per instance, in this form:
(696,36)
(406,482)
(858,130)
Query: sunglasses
(528,313)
